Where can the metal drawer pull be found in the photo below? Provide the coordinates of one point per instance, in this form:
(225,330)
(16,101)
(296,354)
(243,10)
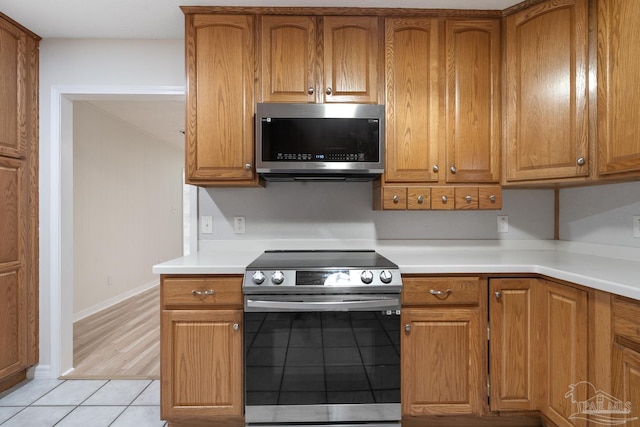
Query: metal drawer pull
(209,292)
(468,199)
(329,91)
(492,198)
(247,166)
(581,161)
(407,327)
(396,199)
(420,199)
(440,293)
(453,169)
(236,326)
(436,168)
(498,294)
(444,199)
(310,90)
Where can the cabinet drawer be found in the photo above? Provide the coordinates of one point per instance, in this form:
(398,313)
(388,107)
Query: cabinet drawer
(466,197)
(394,198)
(441,290)
(418,198)
(442,198)
(625,318)
(202,292)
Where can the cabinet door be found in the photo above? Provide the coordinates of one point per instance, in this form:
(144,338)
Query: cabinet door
(413,100)
(618,91)
(473,100)
(563,351)
(220,99)
(442,369)
(13,90)
(289,59)
(626,383)
(13,267)
(201,363)
(512,346)
(351,59)
(546,91)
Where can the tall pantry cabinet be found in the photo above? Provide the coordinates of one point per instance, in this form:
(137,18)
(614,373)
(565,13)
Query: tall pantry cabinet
(18,201)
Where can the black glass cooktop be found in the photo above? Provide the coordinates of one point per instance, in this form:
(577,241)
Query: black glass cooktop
(294,259)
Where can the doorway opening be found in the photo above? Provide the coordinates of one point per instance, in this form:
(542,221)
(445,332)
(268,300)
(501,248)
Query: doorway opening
(124,207)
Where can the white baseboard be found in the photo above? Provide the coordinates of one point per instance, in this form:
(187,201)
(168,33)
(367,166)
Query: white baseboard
(112,301)
(39,372)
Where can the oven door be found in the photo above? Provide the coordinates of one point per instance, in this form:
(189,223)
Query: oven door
(322,359)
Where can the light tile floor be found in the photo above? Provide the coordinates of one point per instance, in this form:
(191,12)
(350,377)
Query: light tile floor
(75,403)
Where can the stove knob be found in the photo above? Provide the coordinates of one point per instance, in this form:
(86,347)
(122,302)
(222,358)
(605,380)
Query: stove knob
(258,277)
(386,276)
(277,277)
(366,277)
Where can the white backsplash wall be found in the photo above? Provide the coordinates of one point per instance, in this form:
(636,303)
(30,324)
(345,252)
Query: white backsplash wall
(601,214)
(292,210)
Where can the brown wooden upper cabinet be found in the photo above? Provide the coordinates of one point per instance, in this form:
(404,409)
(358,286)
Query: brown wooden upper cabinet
(320,59)
(220,60)
(472,100)
(546,126)
(413,100)
(442,100)
(618,89)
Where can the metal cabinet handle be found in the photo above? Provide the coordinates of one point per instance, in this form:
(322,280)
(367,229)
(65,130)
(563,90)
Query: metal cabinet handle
(236,326)
(247,166)
(444,199)
(492,198)
(581,161)
(310,90)
(498,294)
(440,293)
(407,327)
(396,199)
(209,292)
(420,199)
(436,168)
(453,169)
(468,199)
(329,91)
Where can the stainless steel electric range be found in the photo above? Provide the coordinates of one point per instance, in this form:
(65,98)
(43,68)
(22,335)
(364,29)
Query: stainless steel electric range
(322,338)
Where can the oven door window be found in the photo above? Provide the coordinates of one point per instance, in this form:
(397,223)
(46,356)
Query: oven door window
(316,358)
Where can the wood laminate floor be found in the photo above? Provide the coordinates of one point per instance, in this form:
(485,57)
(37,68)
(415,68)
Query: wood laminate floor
(120,342)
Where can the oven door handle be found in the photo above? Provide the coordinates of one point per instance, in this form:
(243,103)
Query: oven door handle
(354,305)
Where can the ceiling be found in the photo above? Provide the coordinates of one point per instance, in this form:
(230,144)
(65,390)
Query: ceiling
(163,19)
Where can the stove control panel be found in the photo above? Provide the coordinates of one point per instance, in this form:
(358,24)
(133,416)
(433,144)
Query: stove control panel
(314,279)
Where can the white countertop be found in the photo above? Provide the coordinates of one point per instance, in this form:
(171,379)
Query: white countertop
(617,272)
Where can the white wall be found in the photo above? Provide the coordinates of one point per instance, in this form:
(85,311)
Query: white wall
(329,210)
(70,67)
(601,214)
(127,192)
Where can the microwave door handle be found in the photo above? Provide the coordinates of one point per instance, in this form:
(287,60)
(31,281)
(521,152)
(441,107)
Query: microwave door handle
(382,304)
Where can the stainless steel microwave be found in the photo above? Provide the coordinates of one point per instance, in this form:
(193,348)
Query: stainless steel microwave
(319,141)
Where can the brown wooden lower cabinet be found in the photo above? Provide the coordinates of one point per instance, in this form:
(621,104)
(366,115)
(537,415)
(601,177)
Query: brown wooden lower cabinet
(201,349)
(512,347)
(545,340)
(443,346)
(625,367)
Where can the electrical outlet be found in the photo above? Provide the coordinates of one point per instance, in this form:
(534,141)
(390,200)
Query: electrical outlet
(238,224)
(207,224)
(503,224)
(636,226)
